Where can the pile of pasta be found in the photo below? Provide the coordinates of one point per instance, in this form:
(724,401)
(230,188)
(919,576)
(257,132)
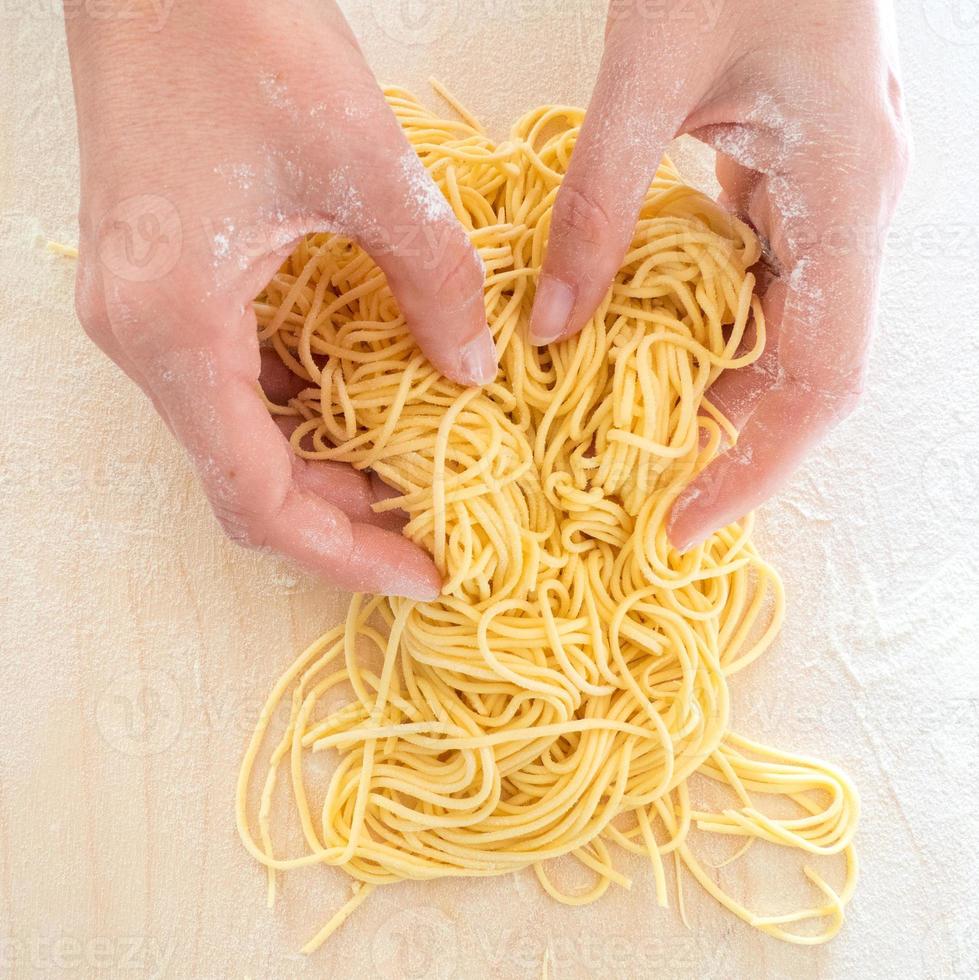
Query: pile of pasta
(574,673)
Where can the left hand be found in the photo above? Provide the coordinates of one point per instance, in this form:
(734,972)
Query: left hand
(802,103)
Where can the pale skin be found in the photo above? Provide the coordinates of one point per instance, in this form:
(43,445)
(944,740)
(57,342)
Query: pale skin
(217,141)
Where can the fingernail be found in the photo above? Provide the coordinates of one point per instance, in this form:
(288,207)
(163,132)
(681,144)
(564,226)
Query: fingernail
(552,310)
(684,541)
(421,593)
(421,588)
(692,542)
(477,360)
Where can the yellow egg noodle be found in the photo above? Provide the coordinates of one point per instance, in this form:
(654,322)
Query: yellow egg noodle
(574,673)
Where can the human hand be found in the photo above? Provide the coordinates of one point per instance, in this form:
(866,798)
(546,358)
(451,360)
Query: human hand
(802,103)
(208,148)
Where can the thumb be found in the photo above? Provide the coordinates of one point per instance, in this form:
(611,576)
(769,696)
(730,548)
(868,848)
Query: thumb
(631,118)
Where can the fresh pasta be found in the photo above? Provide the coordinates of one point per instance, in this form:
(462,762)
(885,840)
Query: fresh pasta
(574,674)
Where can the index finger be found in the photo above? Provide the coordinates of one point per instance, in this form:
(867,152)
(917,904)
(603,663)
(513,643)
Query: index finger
(637,107)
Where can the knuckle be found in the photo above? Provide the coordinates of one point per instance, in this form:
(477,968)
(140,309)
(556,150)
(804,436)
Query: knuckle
(893,146)
(242,525)
(458,277)
(134,325)
(889,150)
(89,306)
(106,315)
(901,150)
(147,322)
(93,324)
(247,519)
(580,217)
(125,322)
(895,99)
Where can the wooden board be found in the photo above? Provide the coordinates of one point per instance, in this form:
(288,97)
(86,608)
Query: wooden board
(138,644)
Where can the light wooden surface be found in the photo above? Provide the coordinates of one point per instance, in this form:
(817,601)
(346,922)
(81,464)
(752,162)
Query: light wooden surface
(137,644)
